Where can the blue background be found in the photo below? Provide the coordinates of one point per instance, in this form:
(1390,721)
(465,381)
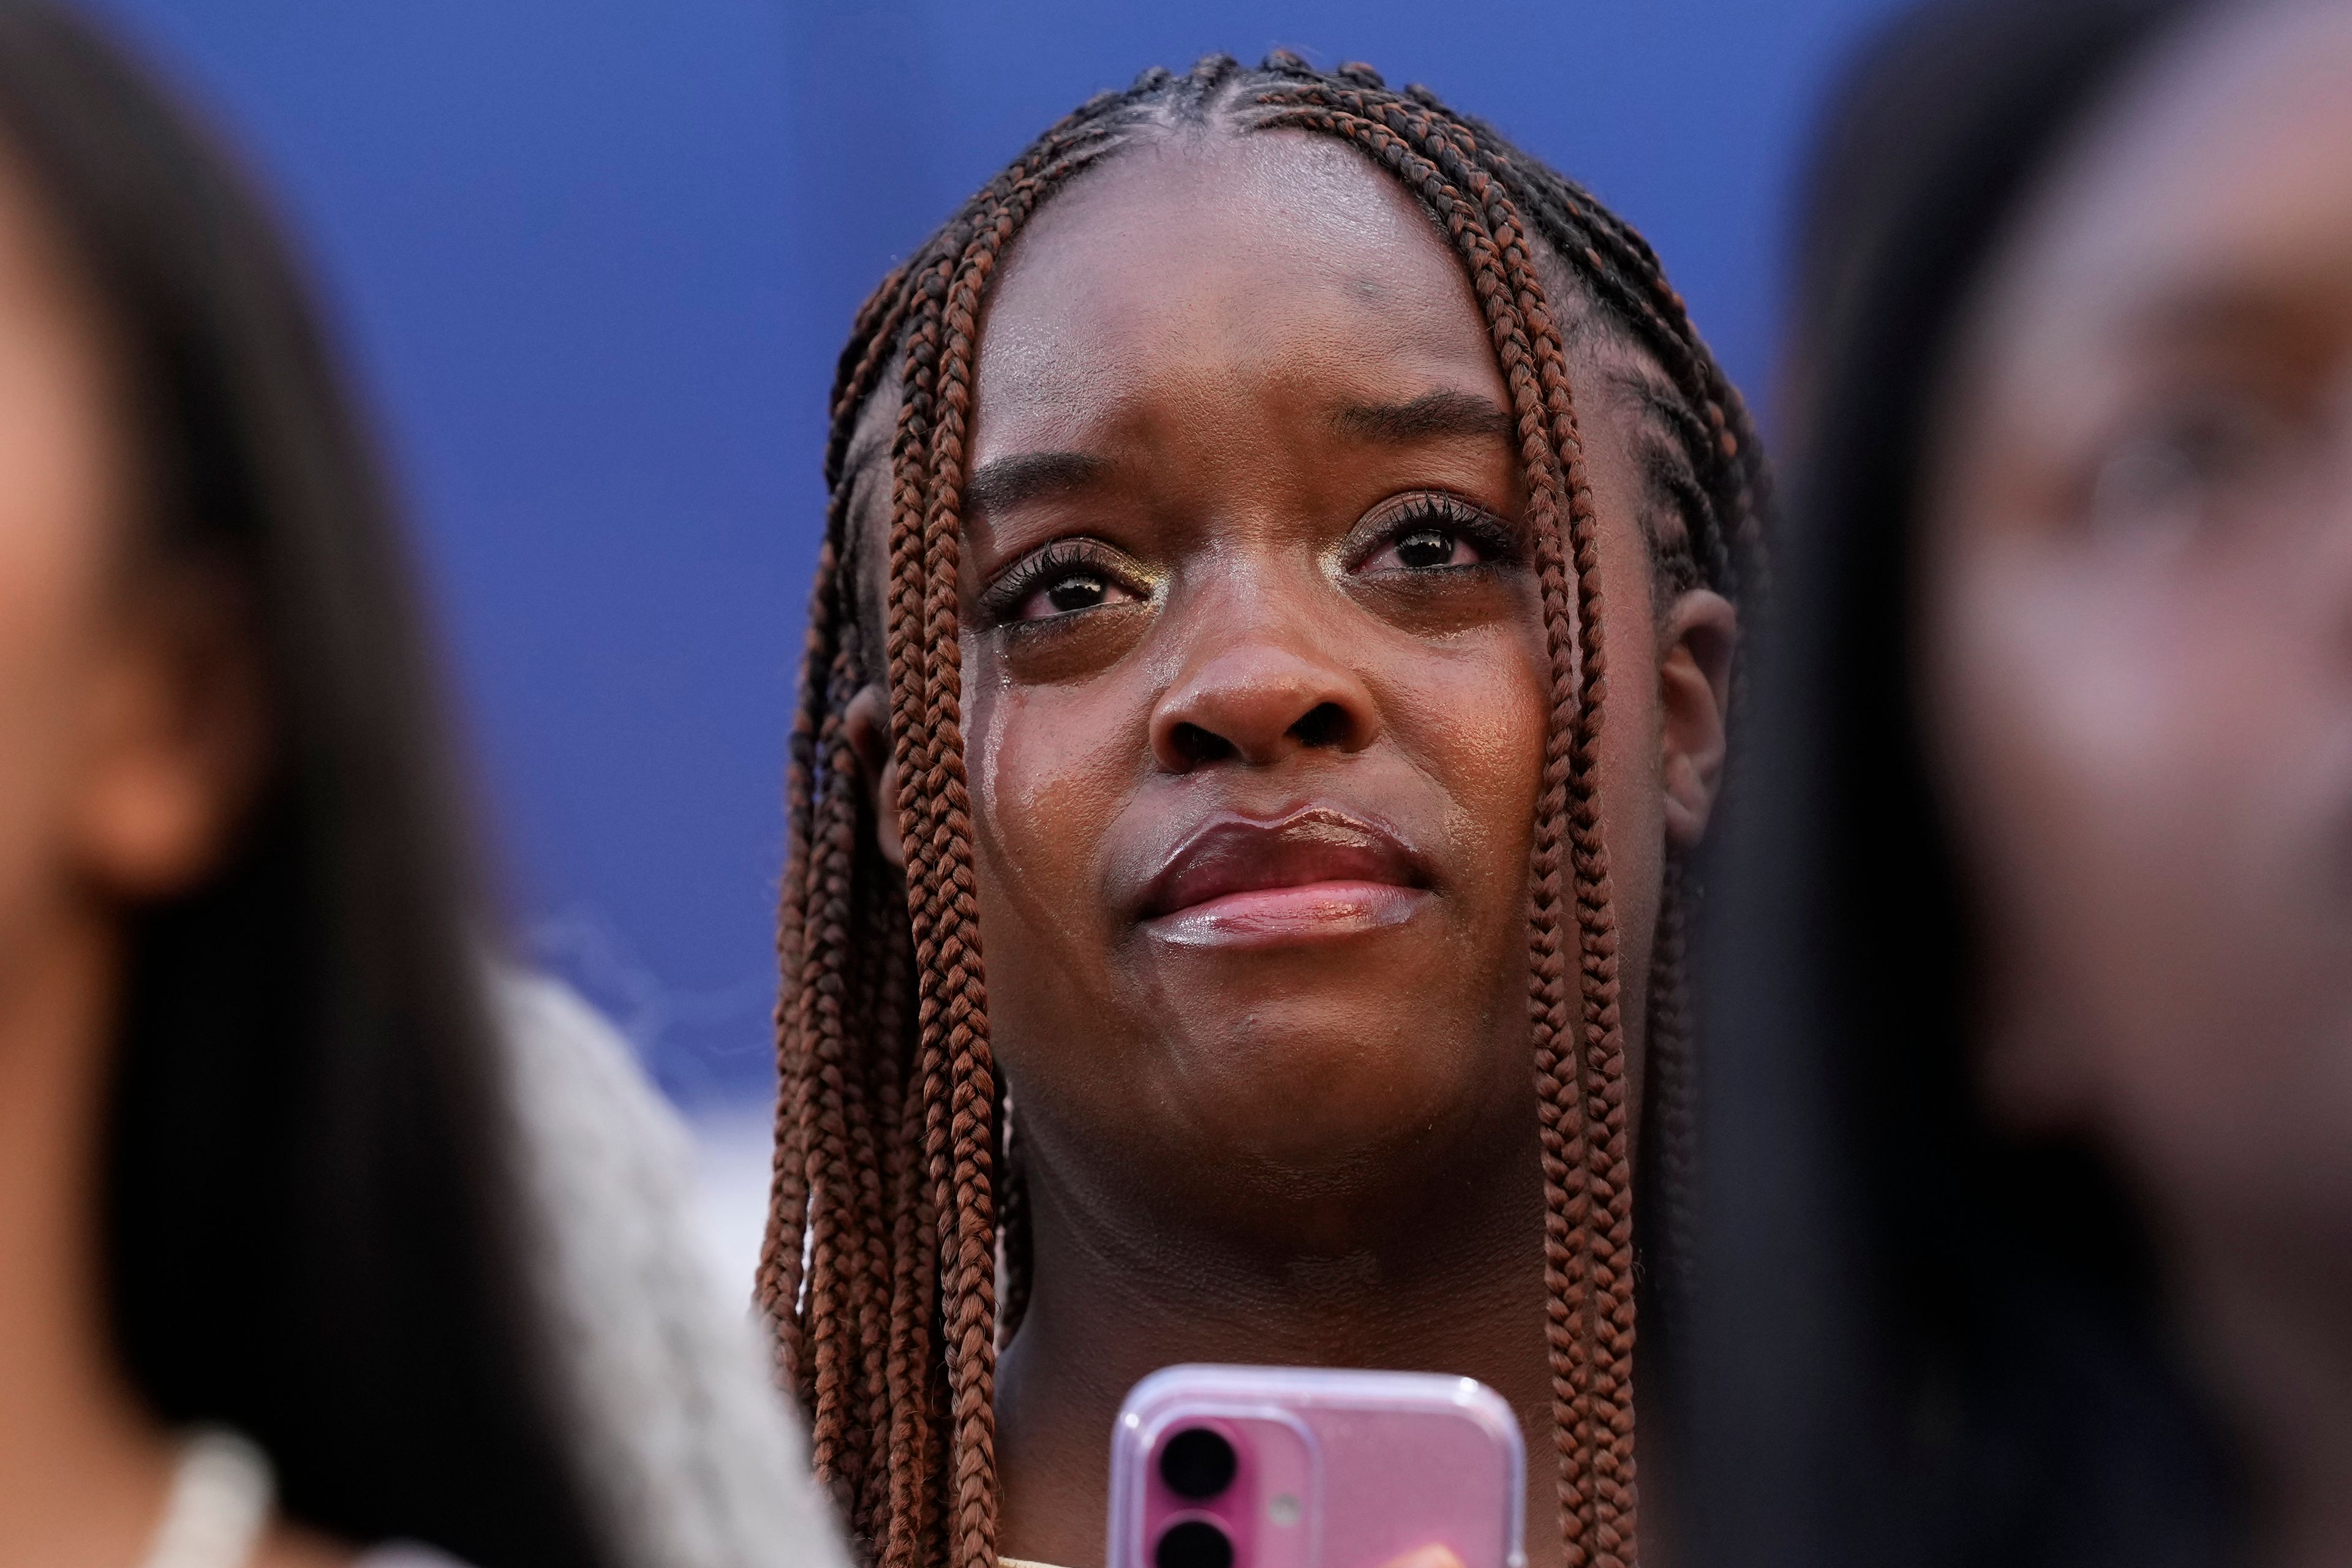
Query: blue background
(594,260)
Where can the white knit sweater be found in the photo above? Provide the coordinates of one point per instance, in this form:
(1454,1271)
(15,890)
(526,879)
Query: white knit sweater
(695,1461)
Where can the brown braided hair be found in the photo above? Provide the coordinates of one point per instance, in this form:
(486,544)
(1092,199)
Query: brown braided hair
(892,1190)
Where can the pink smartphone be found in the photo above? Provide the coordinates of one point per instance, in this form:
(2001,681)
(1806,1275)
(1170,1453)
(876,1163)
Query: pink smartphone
(1276,1467)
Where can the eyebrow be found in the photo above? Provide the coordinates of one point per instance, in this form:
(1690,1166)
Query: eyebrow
(1431,415)
(1026,476)
(2204,311)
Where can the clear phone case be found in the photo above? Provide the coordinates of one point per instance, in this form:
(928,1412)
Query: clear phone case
(1313,1467)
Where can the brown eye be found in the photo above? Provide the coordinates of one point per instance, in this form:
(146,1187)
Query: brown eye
(1066,595)
(1428,547)
(1066,578)
(1425,548)
(1428,533)
(2208,460)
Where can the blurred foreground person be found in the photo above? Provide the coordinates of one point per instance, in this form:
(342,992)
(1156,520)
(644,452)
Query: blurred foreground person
(2031,1220)
(271,1220)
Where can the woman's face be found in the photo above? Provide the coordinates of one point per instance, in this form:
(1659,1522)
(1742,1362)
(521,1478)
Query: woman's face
(2138,588)
(1255,687)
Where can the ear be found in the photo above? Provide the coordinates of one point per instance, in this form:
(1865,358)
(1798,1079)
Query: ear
(173,740)
(866,726)
(1695,642)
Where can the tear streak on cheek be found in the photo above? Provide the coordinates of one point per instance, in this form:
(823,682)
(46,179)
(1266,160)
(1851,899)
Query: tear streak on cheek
(983,758)
(1008,814)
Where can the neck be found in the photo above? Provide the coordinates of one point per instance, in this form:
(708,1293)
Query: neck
(83,1467)
(2275,1305)
(1447,1276)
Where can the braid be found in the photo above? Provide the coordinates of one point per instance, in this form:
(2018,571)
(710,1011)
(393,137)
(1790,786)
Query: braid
(896,1197)
(1669,1110)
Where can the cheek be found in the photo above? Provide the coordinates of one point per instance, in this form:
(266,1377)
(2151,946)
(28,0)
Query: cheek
(2116,740)
(1482,713)
(1475,715)
(1048,768)
(2085,734)
(51,616)
(2068,742)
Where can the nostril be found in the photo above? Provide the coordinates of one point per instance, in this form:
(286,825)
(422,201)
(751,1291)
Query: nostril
(1195,746)
(1325,725)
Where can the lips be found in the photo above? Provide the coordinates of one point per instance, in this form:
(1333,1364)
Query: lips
(1317,874)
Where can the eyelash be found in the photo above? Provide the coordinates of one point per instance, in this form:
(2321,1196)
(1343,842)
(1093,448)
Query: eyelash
(1001,600)
(1407,514)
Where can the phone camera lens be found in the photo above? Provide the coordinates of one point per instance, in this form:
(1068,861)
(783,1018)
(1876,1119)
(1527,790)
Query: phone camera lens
(1195,1543)
(1197,1463)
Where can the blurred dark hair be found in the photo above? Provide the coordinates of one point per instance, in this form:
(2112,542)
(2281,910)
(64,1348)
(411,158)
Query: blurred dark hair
(1920,1341)
(312,1232)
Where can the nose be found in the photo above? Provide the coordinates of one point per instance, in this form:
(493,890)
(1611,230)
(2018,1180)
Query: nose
(1260,692)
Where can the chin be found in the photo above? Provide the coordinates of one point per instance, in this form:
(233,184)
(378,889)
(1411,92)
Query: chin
(1315,1094)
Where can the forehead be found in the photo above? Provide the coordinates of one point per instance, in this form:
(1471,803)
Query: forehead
(1214,259)
(2217,183)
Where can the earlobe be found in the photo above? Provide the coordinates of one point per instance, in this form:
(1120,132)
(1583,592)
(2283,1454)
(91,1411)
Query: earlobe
(865,724)
(1696,641)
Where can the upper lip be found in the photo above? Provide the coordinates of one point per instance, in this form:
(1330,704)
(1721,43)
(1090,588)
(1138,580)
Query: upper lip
(1241,855)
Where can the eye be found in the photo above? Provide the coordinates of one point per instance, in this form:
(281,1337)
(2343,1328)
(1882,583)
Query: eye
(1066,595)
(1425,548)
(1066,577)
(2201,460)
(1431,530)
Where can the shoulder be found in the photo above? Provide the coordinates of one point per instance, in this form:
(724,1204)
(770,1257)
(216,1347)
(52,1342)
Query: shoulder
(678,1430)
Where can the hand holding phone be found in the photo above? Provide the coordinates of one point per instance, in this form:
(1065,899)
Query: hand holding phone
(1243,1466)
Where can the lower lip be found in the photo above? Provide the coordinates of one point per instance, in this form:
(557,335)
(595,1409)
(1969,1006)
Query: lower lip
(1272,917)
